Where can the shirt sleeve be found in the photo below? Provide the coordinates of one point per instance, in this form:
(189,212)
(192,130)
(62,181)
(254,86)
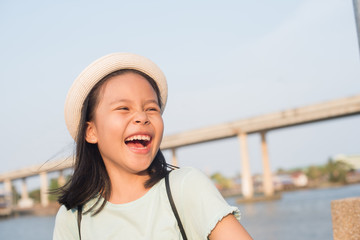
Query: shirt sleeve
(66,225)
(201,206)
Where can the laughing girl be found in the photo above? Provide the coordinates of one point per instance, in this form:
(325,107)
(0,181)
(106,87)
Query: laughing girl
(122,187)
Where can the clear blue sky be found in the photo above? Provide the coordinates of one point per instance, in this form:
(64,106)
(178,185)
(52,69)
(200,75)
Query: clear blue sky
(224,61)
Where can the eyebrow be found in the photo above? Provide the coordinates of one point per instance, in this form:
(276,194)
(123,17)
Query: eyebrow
(118,101)
(151,101)
(127,100)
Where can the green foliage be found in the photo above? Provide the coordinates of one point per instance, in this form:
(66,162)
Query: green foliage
(53,186)
(315,172)
(15,194)
(35,195)
(221,181)
(289,171)
(337,171)
(333,171)
(281,171)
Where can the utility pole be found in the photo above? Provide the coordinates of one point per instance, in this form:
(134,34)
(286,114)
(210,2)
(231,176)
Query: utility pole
(356,4)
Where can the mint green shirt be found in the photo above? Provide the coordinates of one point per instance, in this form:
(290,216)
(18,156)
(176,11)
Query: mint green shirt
(198,203)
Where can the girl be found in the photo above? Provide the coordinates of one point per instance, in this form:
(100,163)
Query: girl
(122,188)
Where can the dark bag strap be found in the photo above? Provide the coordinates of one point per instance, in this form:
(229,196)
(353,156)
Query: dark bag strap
(79,215)
(173,207)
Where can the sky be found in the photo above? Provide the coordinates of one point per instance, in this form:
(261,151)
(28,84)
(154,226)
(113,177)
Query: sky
(223,61)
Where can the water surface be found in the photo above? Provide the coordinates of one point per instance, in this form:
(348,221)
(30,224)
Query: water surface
(299,215)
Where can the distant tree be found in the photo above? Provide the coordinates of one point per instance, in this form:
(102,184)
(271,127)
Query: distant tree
(15,194)
(54,184)
(221,181)
(35,195)
(314,172)
(281,171)
(297,169)
(337,170)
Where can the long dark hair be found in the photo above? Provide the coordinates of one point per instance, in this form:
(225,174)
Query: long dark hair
(90,179)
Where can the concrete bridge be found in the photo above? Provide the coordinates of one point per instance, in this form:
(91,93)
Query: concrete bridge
(256,125)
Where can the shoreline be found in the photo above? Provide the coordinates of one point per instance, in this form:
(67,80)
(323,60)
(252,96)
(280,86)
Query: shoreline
(259,196)
(52,209)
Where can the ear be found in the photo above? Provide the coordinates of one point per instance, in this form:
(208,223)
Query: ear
(90,135)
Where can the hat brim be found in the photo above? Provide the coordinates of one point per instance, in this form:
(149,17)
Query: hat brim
(96,71)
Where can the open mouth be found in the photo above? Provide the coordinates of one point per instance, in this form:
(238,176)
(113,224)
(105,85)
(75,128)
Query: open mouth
(138,141)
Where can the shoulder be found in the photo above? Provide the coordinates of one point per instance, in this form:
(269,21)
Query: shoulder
(188,183)
(189,179)
(65,214)
(65,223)
(199,202)
(186,173)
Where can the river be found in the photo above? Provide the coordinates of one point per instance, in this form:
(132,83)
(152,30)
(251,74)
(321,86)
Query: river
(304,214)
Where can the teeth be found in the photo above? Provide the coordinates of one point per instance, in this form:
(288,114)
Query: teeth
(138,137)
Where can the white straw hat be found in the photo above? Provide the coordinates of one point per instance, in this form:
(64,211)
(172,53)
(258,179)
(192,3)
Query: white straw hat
(98,70)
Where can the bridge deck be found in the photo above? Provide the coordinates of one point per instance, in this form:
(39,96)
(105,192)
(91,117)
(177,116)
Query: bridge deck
(303,115)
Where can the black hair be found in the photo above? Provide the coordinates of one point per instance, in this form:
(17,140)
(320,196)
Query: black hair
(90,178)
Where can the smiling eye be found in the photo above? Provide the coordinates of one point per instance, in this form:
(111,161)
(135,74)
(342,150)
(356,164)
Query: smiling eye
(123,108)
(152,109)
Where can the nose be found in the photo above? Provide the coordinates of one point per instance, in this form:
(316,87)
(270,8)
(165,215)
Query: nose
(141,118)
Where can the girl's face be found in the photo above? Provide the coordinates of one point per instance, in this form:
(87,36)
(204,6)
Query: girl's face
(127,124)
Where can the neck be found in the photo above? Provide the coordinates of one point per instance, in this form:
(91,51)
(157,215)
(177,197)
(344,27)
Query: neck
(127,187)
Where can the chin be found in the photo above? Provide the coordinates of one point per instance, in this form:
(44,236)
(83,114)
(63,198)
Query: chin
(141,168)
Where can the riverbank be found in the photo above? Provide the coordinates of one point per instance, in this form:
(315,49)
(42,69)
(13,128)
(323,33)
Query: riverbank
(260,197)
(53,207)
(36,210)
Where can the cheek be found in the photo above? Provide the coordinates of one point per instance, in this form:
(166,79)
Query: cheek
(108,126)
(159,124)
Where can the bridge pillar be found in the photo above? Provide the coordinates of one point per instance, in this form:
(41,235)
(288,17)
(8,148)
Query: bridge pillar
(61,180)
(44,198)
(24,191)
(8,186)
(174,160)
(8,189)
(25,201)
(246,179)
(267,178)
